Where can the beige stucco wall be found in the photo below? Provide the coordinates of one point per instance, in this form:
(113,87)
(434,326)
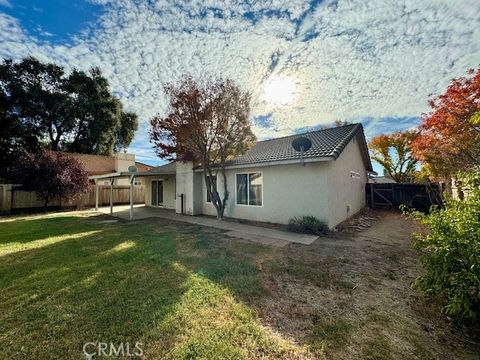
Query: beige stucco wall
(346,193)
(185,186)
(122,162)
(168,190)
(325,190)
(288,191)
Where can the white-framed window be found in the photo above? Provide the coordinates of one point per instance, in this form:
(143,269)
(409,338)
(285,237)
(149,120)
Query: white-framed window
(249,188)
(213,180)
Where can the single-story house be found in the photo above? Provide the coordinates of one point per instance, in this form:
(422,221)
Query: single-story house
(100,165)
(273,182)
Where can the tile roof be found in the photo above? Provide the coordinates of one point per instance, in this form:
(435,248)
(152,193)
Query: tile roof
(325,143)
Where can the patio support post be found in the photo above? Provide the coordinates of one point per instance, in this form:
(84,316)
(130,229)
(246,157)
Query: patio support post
(96,195)
(132,179)
(111,195)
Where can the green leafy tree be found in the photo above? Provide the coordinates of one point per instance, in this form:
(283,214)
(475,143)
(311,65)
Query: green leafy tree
(451,252)
(393,153)
(475,119)
(15,139)
(100,125)
(73,112)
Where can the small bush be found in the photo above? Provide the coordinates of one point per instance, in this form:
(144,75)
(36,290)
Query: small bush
(307,225)
(451,254)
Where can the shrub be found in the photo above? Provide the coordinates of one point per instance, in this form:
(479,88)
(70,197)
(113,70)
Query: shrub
(451,253)
(307,225)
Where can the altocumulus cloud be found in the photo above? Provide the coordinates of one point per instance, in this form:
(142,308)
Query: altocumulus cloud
(377,60)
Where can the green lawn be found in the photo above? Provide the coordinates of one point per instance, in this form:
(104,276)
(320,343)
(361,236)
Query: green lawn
(187,292)
(180,291)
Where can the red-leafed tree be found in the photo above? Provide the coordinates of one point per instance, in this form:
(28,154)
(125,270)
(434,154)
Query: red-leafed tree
(207,124)
(53,175)
(449,136)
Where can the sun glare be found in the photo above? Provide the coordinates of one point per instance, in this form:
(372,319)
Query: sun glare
(279,91)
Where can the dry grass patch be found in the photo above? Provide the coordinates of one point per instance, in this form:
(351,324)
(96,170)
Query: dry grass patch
(188,292)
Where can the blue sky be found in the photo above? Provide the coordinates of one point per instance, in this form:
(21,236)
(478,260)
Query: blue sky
(54,20)
(305,63)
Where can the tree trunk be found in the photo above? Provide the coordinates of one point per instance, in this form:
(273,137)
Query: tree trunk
(215,198)
(55,142)
(45,206)
(217,203)
(225,190)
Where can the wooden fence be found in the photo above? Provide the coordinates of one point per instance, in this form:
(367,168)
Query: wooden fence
(121,195)
(416,196)
(15,200)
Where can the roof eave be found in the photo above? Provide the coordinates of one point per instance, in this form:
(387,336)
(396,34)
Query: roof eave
(276,162)
(153,173)
(105,176)
(128,174)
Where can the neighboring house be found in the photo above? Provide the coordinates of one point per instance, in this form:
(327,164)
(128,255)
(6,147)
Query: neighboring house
(142,167)
(100,165)
(14,198)
(271,182)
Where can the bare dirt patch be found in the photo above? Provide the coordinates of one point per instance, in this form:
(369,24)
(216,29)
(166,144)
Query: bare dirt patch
(349,295)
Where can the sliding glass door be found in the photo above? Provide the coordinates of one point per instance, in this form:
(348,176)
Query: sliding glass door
(157,192)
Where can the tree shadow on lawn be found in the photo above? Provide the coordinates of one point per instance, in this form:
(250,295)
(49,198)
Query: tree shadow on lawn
(25,230)
(167,285)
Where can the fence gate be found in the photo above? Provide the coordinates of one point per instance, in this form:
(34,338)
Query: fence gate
(416,196)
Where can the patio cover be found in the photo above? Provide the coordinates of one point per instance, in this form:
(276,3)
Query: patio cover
(168,169)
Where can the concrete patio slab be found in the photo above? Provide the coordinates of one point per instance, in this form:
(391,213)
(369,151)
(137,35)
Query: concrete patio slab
(256,234)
